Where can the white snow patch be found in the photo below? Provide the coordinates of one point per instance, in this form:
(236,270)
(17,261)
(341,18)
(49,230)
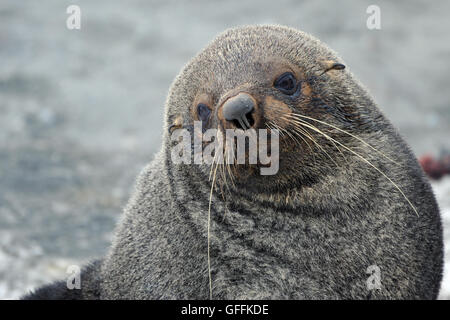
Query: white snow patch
(442,192)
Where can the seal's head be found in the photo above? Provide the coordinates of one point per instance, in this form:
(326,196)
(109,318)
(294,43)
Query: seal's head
(274,78)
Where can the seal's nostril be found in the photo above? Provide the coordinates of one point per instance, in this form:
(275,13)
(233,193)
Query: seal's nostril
(238,110)
(250,119)
(245,122)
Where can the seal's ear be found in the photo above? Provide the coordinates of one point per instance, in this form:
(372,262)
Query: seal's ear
(328,65)
(176,124)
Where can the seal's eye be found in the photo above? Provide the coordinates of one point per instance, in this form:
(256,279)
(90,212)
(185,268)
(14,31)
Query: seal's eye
(203,112)
(286,83)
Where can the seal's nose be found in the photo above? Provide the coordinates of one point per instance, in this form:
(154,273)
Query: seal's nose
(238,109)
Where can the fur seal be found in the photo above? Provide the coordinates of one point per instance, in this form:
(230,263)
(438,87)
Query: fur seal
(348,215)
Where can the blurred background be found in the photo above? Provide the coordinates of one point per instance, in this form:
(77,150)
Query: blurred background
(81,110)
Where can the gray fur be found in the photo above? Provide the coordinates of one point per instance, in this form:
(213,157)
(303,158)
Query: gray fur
(309,232)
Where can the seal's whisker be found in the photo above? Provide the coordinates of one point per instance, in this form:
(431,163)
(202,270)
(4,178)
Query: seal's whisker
(296,115)
(282,131)
(209,230)
(274,126)
(212,166)
(233,165)
(303,132)
(364,160)
(222,191)
(340,152)
(297,121)
(300,132)
(223,172)
(226,176)
(297,127)
(306,134)
(228,165)
(290,135)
